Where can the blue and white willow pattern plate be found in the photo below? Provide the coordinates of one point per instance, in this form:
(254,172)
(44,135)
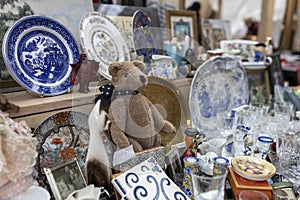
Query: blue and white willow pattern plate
(38,51)
(219,85)
(147,181)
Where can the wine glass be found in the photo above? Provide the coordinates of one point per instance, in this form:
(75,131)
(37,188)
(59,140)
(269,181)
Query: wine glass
(264,143)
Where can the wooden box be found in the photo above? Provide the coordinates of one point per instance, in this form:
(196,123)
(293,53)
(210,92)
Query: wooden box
(238,184)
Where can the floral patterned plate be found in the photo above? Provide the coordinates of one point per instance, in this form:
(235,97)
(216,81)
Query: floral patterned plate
(61,136)
(143,37)
(102,41)
(220,84)
(38,51)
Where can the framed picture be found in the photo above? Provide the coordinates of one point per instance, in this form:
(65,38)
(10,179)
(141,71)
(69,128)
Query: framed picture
(207,36)
(64,178)
(259,85)
(220,30)
(173,162)
(181,23)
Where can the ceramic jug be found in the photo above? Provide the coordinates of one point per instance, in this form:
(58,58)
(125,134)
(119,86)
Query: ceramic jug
(164,66)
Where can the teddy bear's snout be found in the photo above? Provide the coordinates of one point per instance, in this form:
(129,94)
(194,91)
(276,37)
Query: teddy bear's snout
(143,79)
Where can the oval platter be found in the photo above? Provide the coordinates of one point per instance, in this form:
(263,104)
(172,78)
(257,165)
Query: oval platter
(219,84)
(253,168)
(38,51)
(102,41)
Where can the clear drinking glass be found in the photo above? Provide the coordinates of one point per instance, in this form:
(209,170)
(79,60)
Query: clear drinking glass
(252,194)
(284,108)
(282,162)
(280,195)
(264,143)
(206,187)
(225,123)
(245,120)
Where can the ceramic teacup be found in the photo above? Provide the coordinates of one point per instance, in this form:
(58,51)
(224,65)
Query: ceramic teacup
(164,66)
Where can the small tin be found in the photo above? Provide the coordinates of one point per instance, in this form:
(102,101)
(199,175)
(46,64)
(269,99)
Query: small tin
(190,166)
(221,161)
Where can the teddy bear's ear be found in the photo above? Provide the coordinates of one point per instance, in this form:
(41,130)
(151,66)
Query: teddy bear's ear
(140,65)
(114,68)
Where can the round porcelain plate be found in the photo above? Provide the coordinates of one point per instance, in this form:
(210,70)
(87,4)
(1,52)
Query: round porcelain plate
(253,168)
(61,136)
(220,84)
(102,41)
(38,51)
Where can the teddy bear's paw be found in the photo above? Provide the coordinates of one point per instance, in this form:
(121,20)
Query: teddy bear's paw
(137,147)
(169,127)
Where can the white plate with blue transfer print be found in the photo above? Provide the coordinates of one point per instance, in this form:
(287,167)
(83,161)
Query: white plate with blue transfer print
(102,41)
(38,51)
(147,180)
(220,84)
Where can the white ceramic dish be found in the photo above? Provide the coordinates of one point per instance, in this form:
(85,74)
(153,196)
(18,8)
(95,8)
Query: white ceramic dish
(254,65)
(253,168)
(102,41)
(38,51)
(34,192)
(219,85)
(88,193)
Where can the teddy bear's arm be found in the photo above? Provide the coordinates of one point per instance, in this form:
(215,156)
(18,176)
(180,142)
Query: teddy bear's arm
(118,116)
(159,122)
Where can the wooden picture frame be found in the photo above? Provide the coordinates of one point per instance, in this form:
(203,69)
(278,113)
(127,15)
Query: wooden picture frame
(181,23)
(65,178)
(259,85)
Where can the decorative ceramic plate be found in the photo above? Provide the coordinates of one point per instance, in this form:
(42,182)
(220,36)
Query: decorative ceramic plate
(102,41)
(170,103)
(62,136)
(143,37)
(253,168)
(38,51)
(254,65)
(219,84)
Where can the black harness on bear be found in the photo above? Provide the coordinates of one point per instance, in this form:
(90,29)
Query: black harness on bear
(117,93)
(108,93)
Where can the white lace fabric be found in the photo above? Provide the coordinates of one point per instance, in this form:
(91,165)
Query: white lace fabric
(17,156)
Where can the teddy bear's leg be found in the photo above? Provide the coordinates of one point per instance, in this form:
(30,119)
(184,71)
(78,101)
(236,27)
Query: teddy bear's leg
(118,136)
(137,147)
(157,140)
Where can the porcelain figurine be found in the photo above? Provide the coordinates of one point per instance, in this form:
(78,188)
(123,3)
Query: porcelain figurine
(83,72)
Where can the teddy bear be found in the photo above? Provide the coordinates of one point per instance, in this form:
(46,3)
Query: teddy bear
(134,119)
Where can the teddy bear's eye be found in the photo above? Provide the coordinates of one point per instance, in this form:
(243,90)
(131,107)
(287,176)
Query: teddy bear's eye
(125,74)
